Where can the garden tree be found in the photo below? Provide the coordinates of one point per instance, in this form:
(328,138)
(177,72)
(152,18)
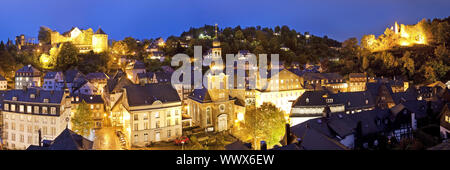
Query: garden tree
(428,73)
(239,35)
(408,64)
(442,53)
(68,56)
(94,62)
(266,123)
(442,33)
(82,120)
(131,44)
(7,63)
(44,35)
(120,48)
(365,63)
(440,69)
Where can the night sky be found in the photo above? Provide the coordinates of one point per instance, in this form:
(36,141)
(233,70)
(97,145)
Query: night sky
(338,19)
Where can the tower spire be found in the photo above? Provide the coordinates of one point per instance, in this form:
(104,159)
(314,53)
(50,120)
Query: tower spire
(215,30)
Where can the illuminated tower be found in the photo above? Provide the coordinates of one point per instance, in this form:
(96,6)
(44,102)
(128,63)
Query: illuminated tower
(396,27)
(99,41)
(216,50)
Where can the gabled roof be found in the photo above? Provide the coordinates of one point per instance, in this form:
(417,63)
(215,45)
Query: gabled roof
(24,95)
(67,140)
(419,107)
(139,65)
(313,138)
(100,31)
(73,75)
(237,145)
(90,99)
(118,82)
(51,75)
(97,76)
(29,69)
(200,95)
(138,95)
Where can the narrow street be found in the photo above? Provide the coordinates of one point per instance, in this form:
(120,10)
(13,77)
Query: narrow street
(106,139)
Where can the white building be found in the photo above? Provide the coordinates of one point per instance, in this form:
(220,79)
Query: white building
(27,76)
(53,81)
(151,113)
(28,112)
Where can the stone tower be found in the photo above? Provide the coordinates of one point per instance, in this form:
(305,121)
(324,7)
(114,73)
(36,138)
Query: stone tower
(99,41)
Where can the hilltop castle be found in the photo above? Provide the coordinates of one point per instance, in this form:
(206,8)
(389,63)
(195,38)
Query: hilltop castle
(84,40)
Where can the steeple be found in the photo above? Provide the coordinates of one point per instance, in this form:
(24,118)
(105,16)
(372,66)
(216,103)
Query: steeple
(215,31)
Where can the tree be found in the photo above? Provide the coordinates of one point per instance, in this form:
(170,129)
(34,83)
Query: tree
(408,63)
(68,56)
(83,121)
(264,123)
(44,35)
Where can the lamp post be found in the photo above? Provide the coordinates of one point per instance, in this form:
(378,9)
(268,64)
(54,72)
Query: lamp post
(182,145)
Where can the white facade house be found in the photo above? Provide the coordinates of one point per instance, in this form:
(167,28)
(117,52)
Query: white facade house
(27,76)
(152,113)
(30,112)
(53,81)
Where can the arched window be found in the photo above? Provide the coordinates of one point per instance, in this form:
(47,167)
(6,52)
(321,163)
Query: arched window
(208,116)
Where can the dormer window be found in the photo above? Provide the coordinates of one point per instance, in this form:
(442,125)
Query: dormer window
(32,96)
(45,100)
(307,100)
(367,101)
(14,98)
(77,99)
(329,100)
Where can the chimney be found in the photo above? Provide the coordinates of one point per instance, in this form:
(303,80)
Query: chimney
(326,112)
(40,138)
(263,145)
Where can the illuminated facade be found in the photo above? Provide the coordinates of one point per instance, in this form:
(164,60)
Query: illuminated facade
(282,89)
(398,35)
(357,82)
(84,40)
(26,112)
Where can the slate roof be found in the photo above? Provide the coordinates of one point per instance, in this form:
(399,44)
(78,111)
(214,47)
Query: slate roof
(409,95)
(25,95)
(200,95)
(321,133)
(51,75)
(349,99)
(90,99)
(67,140)
(138,95)
(237,145)
(419,107)
(97,76)
(100,31)
(118,82)
(2,78)
(314,136)
(72,76)
(29,69)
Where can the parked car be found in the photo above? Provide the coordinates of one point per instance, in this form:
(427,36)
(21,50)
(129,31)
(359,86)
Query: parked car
(181,140)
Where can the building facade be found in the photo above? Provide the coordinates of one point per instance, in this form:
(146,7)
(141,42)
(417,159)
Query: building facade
(27,76)
(53,81)
(28,112)
(152,113)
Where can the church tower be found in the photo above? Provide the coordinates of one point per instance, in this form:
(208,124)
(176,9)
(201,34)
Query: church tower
(216,50)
